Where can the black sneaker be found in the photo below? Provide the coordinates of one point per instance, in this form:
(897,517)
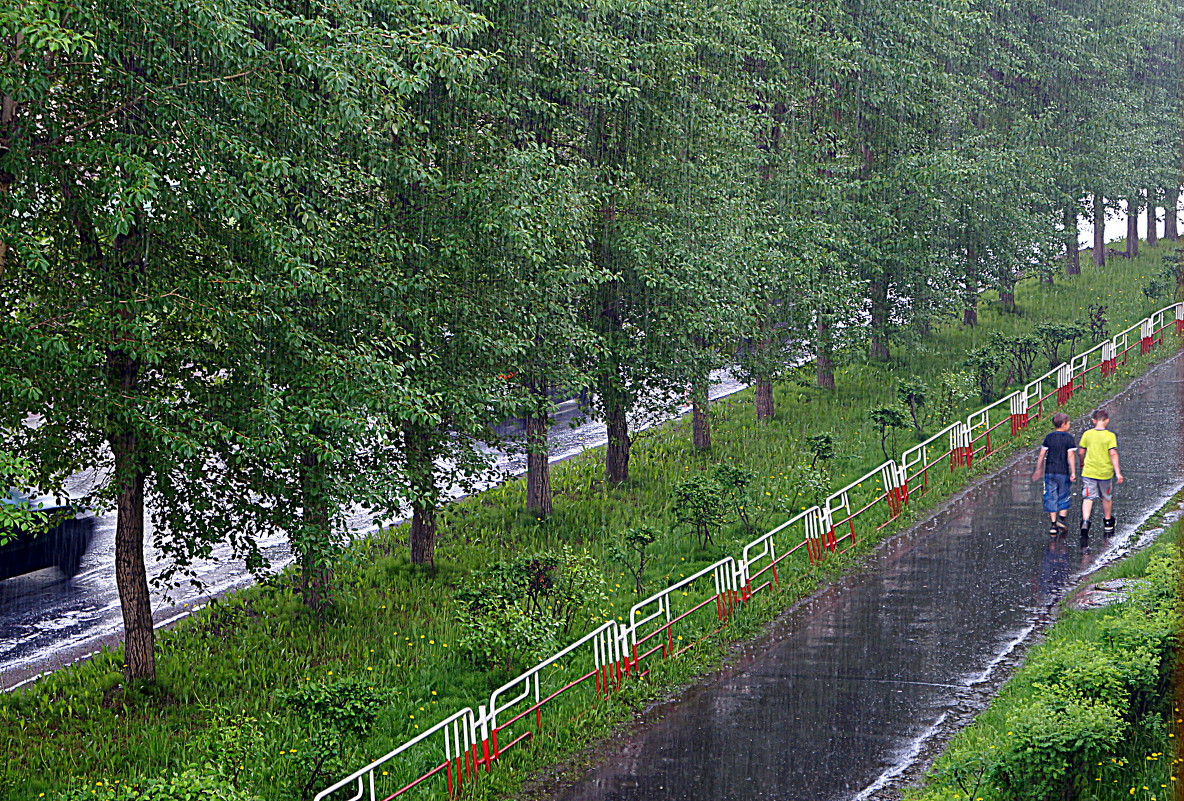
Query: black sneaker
(1054,530)
(1061,524)
(1108,525)
(1085,530)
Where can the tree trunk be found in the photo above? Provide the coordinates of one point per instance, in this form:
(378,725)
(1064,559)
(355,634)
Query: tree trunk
(616,461)
(1099,230)
(1171,200)
(613,398)
(423,533)
(125,270)
(700,417)
(1152,217)
(538,465)
(1007,298)
(421,474)
(824,359)
(131,578)
(1072,248)
(970,288)
(313,543)
(878,344)
(1132,226)
(764,399)
(8,109)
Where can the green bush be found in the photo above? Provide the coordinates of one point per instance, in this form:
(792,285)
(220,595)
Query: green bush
(516,611)
(699,505)
(1093,670)
(886,418)
(735,484)
(1051,741)
(633,552)
(1089,711)
(503,637)
(336,713)
(983,363)
(192,784)
(229,740)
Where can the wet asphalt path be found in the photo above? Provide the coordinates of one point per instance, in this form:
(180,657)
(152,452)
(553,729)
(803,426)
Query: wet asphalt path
(47,621)
(845,689)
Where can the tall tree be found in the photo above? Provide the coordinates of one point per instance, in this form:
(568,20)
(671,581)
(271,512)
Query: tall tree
(165,190)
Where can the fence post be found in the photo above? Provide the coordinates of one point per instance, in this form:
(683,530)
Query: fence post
(1019,411)
(1064,384)
(959,445)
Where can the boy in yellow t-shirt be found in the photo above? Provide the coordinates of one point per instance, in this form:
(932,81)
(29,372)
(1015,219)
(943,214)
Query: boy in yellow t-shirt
(1098,449)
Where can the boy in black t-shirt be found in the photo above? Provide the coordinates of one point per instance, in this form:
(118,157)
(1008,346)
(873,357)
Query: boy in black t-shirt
(1057,462)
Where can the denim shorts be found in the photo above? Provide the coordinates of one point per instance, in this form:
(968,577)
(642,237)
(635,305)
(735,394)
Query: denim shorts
(1056,492)
(1096,487)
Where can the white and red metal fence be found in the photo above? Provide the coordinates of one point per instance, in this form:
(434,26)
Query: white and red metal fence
(669,622)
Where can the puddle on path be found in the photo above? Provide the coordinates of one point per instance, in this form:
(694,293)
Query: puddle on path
(852,690)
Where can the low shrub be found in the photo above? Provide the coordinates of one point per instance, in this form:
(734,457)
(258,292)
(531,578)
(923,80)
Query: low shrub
(206,783)
(698,504)
(1095,670)
(336,713)
(1052,740)
(516,611)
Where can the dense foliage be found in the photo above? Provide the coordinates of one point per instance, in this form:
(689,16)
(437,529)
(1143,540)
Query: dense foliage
(310,253)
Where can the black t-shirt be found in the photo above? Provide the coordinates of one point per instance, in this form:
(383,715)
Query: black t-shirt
(1059,443)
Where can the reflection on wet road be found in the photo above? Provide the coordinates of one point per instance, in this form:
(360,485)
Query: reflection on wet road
(834,701)
(46,621)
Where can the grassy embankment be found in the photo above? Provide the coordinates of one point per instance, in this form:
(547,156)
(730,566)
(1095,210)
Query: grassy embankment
(223,673)
(1090,714)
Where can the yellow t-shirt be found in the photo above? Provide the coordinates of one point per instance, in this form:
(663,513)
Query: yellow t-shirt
(1097,443)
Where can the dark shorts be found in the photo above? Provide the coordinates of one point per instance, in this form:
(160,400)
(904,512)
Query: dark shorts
(1056,492)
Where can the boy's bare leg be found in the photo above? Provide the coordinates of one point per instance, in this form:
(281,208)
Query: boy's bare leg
(1108,508)
(1087,506)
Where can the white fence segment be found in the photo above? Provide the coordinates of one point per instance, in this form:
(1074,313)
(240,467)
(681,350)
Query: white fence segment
(818,525)
(1019,403)
(959,436)
(767,545)
(365,777)
(1064,376)
(919,454)
(527,686)
(661,599)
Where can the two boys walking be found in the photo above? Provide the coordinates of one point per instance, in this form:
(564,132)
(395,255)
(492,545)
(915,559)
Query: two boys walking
(1057,463)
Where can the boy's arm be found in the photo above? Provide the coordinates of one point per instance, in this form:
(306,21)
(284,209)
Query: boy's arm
(1114,461)
(1039,471)
(1072,464)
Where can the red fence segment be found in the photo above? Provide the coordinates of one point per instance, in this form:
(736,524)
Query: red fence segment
(603,659)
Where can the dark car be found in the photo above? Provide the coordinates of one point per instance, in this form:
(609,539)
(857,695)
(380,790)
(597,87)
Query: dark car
(61,546)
